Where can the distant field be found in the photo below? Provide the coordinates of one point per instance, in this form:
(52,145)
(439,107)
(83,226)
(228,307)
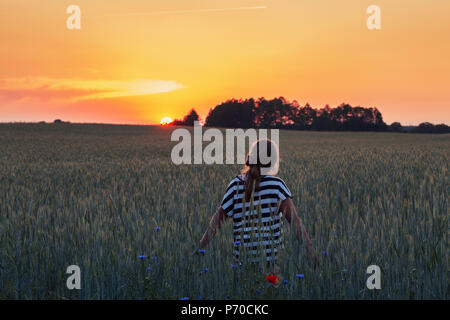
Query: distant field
(92,195)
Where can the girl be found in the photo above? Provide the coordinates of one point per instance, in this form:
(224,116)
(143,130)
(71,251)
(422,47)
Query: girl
(256,202)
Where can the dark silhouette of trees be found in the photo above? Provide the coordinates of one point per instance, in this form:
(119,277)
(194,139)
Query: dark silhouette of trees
(233,114)
(280,113)
(188,120)
(324,120)
(348,118)
(396,127)
(275,113)
(191,118)
(283,114)
(427,127)
(304,118)
(441,128)
(59,121)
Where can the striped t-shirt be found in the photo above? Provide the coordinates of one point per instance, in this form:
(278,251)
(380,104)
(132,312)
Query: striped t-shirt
(261,229)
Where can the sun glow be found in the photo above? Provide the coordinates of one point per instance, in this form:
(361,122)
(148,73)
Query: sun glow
(166,120)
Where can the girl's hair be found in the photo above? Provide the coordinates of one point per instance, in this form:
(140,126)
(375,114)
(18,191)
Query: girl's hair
(252,168)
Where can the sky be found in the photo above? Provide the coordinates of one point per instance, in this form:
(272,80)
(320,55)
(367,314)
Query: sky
(137,61)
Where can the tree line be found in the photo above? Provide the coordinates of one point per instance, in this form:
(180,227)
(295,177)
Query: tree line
(279,113)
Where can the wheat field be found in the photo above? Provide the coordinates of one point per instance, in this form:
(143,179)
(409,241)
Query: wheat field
(108,199)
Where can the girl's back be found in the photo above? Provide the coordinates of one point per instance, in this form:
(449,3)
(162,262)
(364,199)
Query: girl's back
(257,224)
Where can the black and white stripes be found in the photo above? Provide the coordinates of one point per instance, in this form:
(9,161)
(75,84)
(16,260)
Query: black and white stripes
(256,225)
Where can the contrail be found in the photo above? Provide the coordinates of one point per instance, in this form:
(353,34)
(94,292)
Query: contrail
(189,11)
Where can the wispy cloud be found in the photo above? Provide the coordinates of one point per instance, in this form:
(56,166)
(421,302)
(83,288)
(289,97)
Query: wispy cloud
(43,88)
(186,11)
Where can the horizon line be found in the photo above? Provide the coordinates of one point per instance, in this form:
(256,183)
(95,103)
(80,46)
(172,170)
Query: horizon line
(158,124)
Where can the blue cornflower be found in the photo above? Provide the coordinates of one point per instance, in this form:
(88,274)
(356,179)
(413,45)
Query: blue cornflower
(324,253)
(157,228)
(299,275)
(185,298)
(149,269)
(237,243)
(232,266)
(259,291)
(201,251)
(285,282)
(142,257)
(205,270)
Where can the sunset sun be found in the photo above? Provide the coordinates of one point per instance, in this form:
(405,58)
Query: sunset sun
(166,121)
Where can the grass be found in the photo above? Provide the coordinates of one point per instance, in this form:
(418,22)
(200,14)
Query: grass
(94,195)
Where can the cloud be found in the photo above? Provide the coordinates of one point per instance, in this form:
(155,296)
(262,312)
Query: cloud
(43,88)
(188,11)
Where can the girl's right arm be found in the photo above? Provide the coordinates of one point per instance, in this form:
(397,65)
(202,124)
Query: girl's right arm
(214,224)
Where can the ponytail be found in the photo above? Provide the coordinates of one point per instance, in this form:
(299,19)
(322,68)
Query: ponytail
(252,178)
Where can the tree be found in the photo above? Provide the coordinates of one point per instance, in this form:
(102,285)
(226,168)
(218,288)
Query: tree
(188,120)
(441,128)
(232,114)
(191,118)
(323,119)
(396,127)
(304,117)
(426,127)
(275,113)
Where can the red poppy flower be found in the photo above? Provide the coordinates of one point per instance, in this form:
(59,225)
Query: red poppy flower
(272,279)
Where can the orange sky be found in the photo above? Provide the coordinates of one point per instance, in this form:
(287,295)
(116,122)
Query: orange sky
(137,61)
